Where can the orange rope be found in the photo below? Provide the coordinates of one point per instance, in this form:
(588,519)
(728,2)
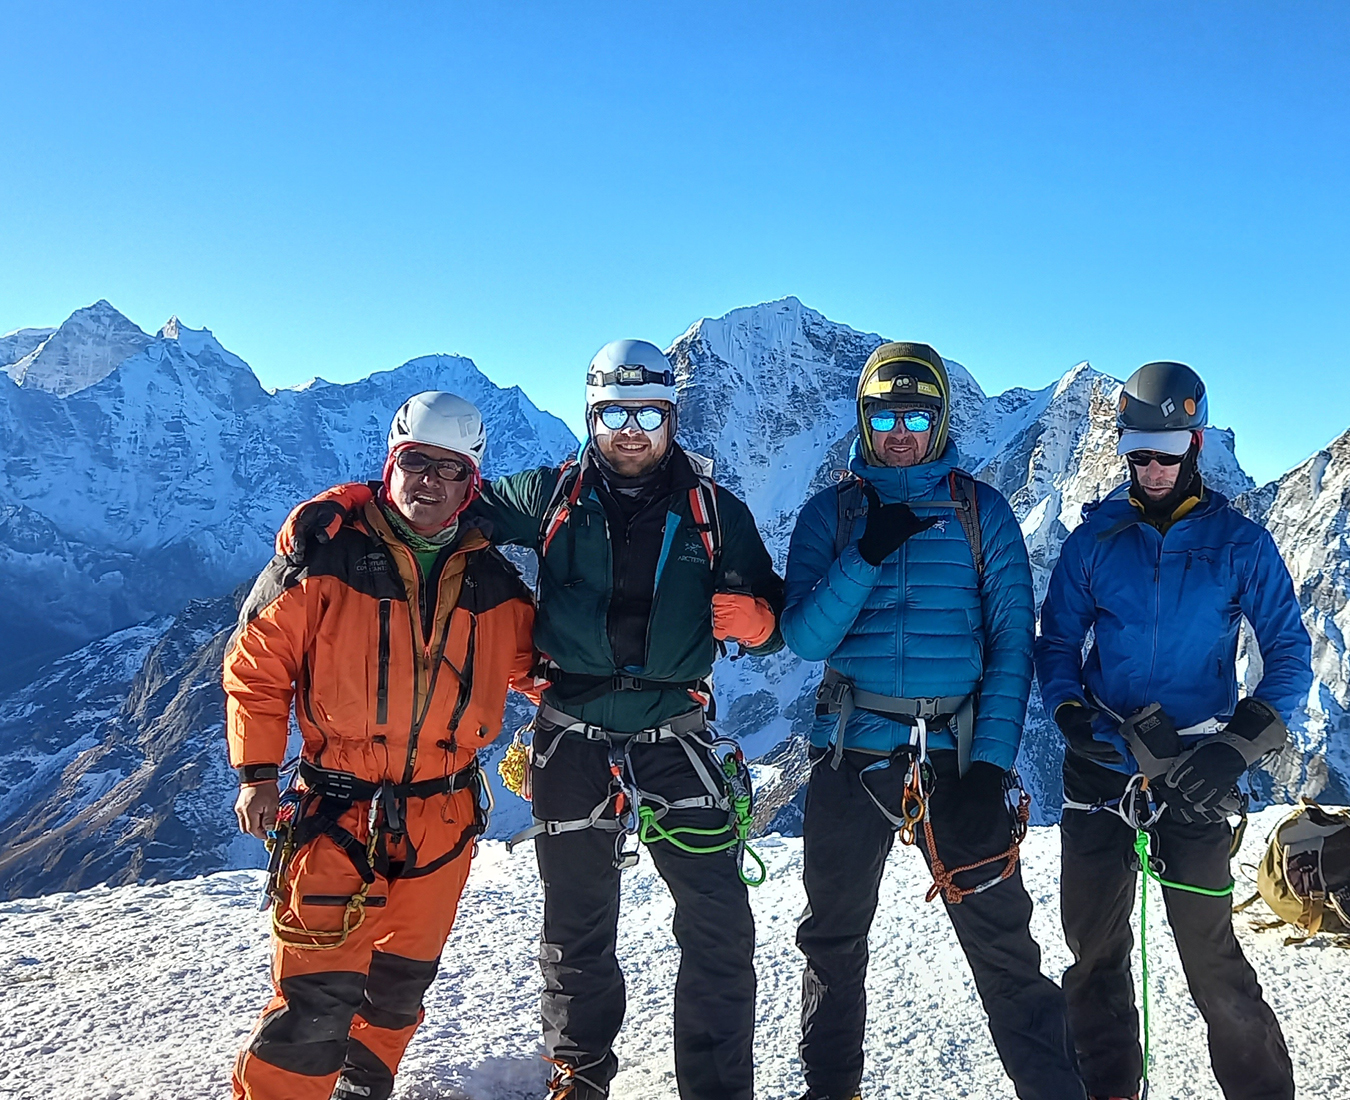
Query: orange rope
(943,879)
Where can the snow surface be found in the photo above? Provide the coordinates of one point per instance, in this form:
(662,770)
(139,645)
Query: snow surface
(146,991)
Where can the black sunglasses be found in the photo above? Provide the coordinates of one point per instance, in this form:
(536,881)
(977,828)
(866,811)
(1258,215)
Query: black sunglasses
(1143,458)
(447,469)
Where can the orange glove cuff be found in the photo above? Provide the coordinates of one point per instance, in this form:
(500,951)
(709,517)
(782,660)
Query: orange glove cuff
(745,619)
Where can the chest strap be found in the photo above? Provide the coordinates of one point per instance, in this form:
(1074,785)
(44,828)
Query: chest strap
(838,695)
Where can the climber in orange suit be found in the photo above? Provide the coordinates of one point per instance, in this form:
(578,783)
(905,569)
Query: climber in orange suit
(394,637)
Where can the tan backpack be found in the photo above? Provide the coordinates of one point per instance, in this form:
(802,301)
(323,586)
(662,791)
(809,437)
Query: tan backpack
(1305,876)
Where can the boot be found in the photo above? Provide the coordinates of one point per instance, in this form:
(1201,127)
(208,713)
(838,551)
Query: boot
(567,1083)
(811,1094)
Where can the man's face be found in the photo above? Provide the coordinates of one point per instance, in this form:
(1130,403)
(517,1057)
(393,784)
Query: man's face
(427,500)
(1154,478)
(629,450)
(901,445)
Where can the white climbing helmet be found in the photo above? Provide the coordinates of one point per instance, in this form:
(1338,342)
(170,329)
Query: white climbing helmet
(440,419)
(629,370)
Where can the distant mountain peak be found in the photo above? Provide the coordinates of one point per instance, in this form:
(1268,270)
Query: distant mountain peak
(171,328)
(87,347)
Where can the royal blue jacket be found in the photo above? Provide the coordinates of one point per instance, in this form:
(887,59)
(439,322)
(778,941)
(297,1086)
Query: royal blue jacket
(920,624)
(1164,611)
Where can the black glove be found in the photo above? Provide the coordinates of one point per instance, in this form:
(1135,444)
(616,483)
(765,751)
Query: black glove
(317,521)
(975,814)
(889,526)
(1212,769)
(1201,779)
(1075,722)
(1251,718)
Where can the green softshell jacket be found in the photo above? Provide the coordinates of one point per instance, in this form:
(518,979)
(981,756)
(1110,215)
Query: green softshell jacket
(576,580)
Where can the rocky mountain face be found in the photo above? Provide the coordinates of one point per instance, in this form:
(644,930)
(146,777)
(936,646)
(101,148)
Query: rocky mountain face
(112,762)
(165,478)
(1308,513)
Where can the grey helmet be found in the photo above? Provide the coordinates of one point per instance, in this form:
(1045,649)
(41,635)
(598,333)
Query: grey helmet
(629,370)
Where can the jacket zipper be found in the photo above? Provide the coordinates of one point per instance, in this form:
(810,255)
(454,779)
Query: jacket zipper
(465,675)
(308,705)
(382,689)
(433,664)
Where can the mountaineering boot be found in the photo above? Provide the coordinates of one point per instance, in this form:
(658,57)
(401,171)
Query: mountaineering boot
(811,1094)
(1134,1097)
(567,1083)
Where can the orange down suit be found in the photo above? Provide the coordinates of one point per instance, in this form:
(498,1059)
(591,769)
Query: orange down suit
(395,681)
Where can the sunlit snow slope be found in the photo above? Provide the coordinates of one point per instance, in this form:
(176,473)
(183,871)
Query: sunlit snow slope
(145,991)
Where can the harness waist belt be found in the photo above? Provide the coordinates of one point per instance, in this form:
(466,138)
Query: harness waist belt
(346,787)
(581,688)
(837,695)
(690,722)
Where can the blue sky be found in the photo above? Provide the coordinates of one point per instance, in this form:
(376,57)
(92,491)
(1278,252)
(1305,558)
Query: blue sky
(334,188)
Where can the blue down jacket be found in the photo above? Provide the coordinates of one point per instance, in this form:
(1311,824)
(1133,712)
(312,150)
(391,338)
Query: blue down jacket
(1164,611)
(919,624)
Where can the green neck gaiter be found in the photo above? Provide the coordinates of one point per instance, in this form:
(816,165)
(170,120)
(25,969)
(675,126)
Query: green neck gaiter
(425,548)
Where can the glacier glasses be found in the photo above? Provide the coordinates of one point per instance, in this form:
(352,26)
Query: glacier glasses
(917,421)
(1143,458)
(447,469)
(618,417)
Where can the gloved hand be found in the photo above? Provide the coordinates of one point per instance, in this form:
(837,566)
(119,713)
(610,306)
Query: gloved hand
(1074,720)
(976,817)
(889,526)
(321,517)
(1202,777)
(742,618)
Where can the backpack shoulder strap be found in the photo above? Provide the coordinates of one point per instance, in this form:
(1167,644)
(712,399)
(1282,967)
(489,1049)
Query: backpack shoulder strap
(566,493)
(966,495)
(848,498)
(707,519)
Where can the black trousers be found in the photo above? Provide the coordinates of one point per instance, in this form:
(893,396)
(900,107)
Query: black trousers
(847,841)
(583,1000)
(1098,888)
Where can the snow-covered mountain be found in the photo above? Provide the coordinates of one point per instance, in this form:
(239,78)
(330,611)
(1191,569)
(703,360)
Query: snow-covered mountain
(86,348)
(163,478)
(179,466)
(1308,513)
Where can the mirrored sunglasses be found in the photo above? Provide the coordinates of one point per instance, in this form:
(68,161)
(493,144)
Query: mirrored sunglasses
(617,417)
(447,469)
(1143,458)
(914,420)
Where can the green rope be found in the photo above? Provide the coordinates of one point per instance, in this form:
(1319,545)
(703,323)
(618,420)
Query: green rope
(1141,845)
(650,830)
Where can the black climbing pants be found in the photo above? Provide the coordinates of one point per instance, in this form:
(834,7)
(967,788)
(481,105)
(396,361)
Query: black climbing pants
(1098,888)
(847,841)
(583,1000)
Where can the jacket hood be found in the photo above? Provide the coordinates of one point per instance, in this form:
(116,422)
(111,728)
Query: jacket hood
(896,483)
